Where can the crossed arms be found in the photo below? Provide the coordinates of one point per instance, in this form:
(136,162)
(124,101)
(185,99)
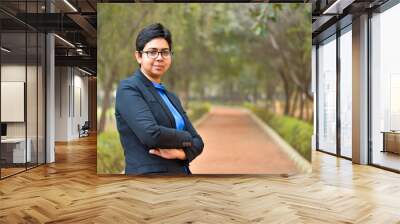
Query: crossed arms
(136,112)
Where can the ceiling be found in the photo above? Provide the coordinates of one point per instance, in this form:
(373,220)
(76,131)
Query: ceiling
(330,15)
(74,22)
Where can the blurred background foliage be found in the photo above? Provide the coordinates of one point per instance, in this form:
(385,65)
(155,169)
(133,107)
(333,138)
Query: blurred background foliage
(230,54)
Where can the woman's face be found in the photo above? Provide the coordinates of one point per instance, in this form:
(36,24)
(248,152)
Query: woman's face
(154,67)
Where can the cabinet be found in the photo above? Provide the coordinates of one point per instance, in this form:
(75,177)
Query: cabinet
(391,141)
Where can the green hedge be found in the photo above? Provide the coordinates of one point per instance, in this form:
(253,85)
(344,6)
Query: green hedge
(197,110)
(294,131)
(110,155)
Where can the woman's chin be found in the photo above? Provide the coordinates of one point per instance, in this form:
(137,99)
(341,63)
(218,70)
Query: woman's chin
(158,72)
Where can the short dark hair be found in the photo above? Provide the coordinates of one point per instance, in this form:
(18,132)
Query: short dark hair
(151,32)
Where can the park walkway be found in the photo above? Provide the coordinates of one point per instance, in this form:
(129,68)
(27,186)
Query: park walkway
(236,144)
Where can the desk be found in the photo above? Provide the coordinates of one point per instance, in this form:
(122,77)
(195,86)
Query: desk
(391,141)
(13,150)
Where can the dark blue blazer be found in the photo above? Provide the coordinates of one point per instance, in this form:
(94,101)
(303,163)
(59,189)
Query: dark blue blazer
(144,122)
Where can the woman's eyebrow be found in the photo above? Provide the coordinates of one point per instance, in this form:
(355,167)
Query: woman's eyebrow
(153,48)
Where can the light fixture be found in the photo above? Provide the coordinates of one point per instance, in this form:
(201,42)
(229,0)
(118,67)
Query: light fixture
(337,7)
(64,40)
(71,6)
(5,49)
(86,72)
(80,51)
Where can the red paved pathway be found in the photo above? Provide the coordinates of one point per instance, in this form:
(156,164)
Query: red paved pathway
(235,144)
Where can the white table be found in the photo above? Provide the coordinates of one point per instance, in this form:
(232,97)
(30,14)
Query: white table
(18,144)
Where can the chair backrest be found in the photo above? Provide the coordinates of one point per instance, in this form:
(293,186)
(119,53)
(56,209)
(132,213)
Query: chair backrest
(86,125)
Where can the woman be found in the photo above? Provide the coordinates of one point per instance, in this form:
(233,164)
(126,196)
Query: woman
(154,129)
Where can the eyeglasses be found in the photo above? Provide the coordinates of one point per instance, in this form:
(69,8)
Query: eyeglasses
(154,54)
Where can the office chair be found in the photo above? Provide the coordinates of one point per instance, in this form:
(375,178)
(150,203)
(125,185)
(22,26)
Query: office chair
(84,130)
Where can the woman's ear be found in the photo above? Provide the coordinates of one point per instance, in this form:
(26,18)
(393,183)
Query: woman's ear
(138,57)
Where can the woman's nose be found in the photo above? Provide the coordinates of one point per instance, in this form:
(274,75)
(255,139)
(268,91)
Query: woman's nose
(159,57)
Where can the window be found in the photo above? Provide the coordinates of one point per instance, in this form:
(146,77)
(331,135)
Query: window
(346,92)
(385,88)
(327,95)
(23,77)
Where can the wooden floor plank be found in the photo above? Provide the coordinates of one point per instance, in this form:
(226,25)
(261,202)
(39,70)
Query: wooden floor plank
(70,191)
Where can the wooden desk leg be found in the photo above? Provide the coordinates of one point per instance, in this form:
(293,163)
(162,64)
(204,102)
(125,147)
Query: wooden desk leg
(384,142)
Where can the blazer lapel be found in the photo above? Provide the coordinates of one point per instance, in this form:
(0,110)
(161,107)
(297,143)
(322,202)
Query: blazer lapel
(157,96)
(174,102)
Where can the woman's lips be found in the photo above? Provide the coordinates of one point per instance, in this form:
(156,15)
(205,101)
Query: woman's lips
(158,66)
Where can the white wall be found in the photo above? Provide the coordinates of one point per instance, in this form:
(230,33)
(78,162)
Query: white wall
(33,126)
(12,73)
(81,88)
(71,94)
(61,103)
(12,100)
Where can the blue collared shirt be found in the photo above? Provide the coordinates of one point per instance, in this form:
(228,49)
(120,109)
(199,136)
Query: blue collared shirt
(179,121)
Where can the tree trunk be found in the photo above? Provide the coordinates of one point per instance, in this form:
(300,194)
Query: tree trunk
(104,108)
(273,103)
(304,109)
(312,115)
(106,102)
(267,96)
(293,106)
(287,93)
(255,95)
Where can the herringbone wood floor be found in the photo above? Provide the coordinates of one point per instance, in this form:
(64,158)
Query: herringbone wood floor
(69,191)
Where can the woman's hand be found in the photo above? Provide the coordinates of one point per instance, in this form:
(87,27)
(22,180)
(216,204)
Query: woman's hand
(169,153)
